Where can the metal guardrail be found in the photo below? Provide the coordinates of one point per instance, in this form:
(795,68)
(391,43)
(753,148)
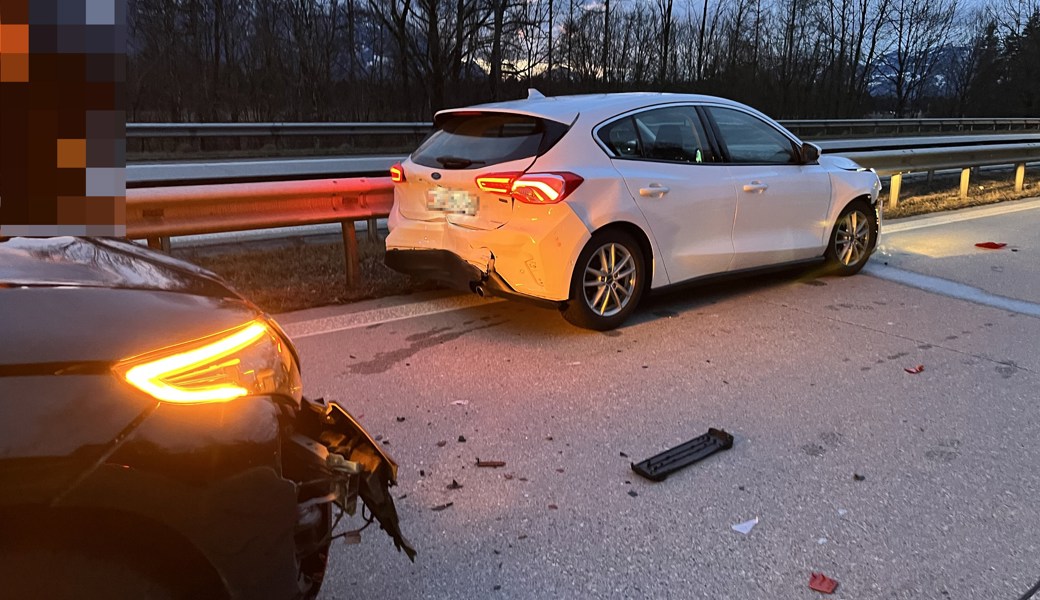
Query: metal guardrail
(157,213)
(797,126)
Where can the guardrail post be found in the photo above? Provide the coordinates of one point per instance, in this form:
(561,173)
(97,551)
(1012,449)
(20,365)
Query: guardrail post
(893,189)
(373,230)
(1020,176)
(350,253)
(965,180)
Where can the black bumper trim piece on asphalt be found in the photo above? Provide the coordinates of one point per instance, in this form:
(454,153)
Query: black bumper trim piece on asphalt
(660,466)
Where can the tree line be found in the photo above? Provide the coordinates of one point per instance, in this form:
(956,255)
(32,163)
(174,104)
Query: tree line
(386,60)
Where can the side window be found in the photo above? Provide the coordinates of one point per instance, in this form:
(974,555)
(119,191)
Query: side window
(621,138)
(749,139)
(670,134)
(673,134)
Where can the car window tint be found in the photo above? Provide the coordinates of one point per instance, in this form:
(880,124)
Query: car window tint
(621,138)
(476,140)
(749,139)
(673,134)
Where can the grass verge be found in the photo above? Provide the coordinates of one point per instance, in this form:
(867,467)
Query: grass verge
(296,274)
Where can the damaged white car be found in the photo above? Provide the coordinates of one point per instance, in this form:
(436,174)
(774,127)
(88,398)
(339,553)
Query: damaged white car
(586,203)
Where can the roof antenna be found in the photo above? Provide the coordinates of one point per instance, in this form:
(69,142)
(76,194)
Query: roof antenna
(533,94)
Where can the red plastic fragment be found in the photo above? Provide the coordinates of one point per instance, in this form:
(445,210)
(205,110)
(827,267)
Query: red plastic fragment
(914,370)
(991,245)
(821,583)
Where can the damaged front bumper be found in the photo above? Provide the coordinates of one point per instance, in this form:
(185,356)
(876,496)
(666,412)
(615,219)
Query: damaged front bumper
(336,462)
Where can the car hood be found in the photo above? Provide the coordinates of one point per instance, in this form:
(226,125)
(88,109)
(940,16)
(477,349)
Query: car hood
(68,302)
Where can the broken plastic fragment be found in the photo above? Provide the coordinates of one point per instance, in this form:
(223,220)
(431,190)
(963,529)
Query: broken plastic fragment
(454,485)
(745,527)
(352,537)
(821,583)
(842,512)
(460,402)
(659,466)
(493,464)
(914,370)
(991,245)
(441,507)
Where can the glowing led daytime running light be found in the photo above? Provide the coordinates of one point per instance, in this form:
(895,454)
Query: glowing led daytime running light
(149,377)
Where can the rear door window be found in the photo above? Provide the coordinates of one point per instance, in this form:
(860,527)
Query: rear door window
(478,140)
(673,134)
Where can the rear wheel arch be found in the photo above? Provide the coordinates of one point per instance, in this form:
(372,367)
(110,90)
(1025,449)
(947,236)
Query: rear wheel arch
(145,546)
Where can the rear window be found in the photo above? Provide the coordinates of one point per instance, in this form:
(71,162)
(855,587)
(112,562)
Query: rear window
(477,140)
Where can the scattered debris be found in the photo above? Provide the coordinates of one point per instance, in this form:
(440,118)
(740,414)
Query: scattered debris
(454,485)
(442,443)
(821,583)
(402,496)
(574,364)
(914,370)
(523,479)
(386,442)
(553,507)
(991,245)
(858,477)
(462,438)
(351,537)
(821,541)
(441,507)
(461,402)
(522,536)
(497,587)
(842,512)
(623,455)
(632,493)
(659,466)
(548,438)
(559,470)
(422,473)
(507,476)
(378,437)
(400,419)
(491,464)
(745,527)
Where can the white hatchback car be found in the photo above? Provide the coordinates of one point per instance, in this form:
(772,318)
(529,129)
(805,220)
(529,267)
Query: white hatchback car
(587,202)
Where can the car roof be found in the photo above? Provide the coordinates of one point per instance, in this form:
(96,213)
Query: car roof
(565,109)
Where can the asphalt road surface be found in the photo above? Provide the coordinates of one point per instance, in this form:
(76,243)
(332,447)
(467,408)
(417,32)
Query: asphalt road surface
(897,485)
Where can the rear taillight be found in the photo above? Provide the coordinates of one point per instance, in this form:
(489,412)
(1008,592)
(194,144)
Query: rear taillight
(397,173)
(544,188)
(497,183)
(530,188)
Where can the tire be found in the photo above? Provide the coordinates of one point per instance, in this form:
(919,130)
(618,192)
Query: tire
(608,282)
(854,237)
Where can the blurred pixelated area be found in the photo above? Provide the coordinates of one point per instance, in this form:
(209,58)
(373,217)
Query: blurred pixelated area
(62,117)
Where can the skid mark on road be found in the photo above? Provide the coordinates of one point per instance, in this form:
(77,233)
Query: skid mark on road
(384,361)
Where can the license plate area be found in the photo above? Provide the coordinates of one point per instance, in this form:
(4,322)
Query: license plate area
(451,201)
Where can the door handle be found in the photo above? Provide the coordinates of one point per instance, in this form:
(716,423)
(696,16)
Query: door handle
(755,187)
(654,190)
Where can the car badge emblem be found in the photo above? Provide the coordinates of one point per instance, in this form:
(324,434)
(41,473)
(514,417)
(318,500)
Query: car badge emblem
(436,175)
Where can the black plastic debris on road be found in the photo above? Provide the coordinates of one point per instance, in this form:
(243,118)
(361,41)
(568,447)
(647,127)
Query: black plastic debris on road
(660,466)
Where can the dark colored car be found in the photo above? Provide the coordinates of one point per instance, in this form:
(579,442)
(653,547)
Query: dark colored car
(154,439)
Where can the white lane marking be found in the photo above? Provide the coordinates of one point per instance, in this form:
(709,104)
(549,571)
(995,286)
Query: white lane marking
(952,289)
(956,217)
(379,316)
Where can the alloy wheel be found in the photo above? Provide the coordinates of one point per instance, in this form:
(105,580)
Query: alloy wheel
(610,279)
(852,238)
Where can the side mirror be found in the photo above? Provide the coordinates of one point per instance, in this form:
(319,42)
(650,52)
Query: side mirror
(810,153)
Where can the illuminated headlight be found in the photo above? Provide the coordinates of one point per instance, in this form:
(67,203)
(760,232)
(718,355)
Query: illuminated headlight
(248,360)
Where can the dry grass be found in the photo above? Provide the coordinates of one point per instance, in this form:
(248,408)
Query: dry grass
(918,197)
(293,274)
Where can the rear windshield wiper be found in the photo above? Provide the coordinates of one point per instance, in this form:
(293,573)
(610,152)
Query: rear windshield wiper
(457,162)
